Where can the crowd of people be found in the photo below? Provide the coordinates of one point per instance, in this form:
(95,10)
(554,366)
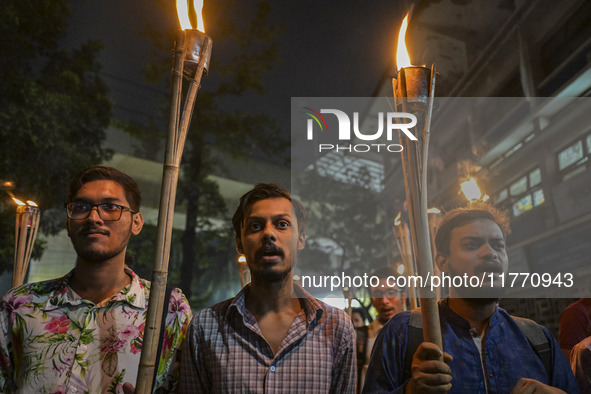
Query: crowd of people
(84,332)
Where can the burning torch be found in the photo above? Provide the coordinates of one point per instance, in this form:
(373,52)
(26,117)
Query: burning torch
(414,90)
(192,54)
(25,233)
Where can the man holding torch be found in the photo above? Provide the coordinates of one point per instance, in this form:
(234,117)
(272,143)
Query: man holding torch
(486,349)
(84,332)
(272,337)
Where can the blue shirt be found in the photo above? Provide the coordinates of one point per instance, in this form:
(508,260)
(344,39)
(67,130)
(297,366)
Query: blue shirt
(506,352)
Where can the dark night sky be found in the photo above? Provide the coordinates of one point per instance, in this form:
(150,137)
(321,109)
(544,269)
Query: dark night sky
(328,48)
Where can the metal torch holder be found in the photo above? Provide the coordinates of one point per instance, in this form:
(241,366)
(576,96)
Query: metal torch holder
(414,92)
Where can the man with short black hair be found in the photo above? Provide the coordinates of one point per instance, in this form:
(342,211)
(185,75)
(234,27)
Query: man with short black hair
(487,350)
(272,337)
(84,332)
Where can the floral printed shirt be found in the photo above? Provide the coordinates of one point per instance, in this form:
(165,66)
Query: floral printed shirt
(53,341)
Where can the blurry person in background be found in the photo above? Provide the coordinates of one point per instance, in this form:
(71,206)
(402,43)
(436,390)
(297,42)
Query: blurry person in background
(574,324)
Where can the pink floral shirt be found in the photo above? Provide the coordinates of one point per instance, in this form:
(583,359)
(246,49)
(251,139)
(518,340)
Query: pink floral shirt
(53,341)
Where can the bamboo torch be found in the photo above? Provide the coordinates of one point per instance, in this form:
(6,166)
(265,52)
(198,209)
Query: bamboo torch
(414,89)
(192,54)
(25,233)
(402,236)
(434,222)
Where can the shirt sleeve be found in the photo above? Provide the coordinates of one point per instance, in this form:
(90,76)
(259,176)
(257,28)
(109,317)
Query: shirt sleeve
(6,361)
(385,371)
(177,322)
(344,371)
(562,376)
(580,362)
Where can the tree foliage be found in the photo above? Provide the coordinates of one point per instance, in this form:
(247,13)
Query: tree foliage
(346,227)
(244,50)
(54,110)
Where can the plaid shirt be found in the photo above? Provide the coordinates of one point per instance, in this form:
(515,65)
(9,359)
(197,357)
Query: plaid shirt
(225,351)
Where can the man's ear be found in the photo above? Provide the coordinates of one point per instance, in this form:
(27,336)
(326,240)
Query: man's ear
(441,259)
(301,240)
(239,247)
(137,224)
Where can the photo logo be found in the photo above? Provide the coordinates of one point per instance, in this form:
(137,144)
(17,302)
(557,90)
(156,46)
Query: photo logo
(388,122)
(315,115)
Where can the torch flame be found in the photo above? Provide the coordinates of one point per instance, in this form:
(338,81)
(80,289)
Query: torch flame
(32,203)
(182,10)
(470,189)
(18,202)
(402,57)
(397,219)
(242,259)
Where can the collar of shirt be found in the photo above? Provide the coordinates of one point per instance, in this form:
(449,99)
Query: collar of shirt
(459,321)
(132,294)
(312,308)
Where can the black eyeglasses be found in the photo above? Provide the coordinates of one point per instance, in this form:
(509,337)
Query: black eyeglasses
(107,211)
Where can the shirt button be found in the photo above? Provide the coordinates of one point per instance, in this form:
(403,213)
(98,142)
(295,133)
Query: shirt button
(491,374)
(272,368)
(74,389)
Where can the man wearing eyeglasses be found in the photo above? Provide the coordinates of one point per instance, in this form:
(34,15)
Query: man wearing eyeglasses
(388,300)
(84,332)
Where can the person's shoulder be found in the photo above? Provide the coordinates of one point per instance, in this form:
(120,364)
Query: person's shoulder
(584,345)
(41,289)
(398,320)
(215,312)
(330,312)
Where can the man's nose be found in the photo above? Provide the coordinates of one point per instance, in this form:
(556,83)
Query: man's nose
(269,232)
(94,215)
(487,251)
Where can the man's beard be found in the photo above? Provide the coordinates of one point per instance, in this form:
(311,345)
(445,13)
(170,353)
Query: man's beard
(96,256)
(270,274)
(87,252)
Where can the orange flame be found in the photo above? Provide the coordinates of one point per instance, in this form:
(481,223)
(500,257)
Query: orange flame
(32,203)
(402,57)
(470,189)
(242,259)
(182,10)
(18,202)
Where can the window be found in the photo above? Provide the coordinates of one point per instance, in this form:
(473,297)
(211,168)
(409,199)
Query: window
(518,187)
(573,159)
(522,195)
(535,177)
(570,155)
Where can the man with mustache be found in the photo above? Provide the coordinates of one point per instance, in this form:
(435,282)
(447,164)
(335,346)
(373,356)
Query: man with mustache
(84,332)
(486,349)
(272,337)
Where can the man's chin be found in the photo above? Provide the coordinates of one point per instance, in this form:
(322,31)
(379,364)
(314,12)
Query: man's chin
(271,275)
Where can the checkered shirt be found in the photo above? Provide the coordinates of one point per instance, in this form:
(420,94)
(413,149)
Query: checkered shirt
(225,352)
